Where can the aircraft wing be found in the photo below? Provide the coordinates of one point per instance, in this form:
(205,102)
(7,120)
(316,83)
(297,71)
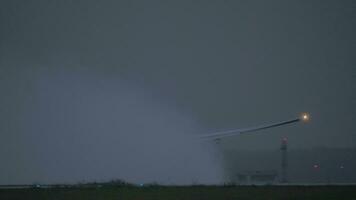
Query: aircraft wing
(233,132)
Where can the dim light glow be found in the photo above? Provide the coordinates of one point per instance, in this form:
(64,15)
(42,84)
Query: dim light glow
(305,117)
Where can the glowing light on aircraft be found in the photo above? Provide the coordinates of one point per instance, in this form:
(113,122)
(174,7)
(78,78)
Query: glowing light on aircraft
(305,117)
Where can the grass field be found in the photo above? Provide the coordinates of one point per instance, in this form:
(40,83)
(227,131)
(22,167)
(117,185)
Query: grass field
(182,193)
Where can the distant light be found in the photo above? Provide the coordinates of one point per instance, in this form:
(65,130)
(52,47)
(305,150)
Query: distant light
(341,167)
(316,166)
(284,141)
(305,117)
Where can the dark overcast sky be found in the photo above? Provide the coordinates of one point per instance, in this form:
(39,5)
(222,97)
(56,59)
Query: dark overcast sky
(224,64)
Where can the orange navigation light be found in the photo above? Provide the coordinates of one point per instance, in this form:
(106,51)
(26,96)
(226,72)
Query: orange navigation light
(305,117)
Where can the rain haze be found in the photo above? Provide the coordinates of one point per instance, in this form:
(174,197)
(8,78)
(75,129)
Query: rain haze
(102,90)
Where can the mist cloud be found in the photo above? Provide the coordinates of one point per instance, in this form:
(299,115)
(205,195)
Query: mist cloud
(82,127)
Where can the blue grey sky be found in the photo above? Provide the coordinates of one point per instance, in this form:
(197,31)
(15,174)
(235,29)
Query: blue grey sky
(215,65)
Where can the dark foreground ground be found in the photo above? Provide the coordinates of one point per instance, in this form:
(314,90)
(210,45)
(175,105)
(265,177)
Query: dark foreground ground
(182,193)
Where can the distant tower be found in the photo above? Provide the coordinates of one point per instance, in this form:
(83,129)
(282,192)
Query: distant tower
(284,161)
